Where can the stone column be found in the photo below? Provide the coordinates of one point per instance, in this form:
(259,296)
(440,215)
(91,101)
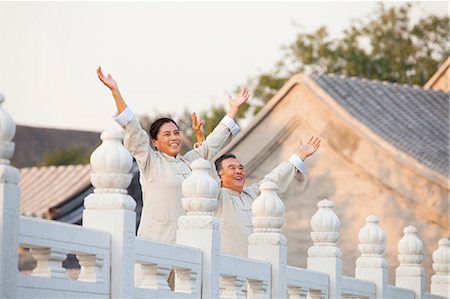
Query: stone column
(371,265)
(440,282)
(199,228)
(111,209)
(267,243)
(324,256)
(9,207)
(410,274)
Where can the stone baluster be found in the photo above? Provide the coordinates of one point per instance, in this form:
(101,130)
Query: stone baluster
(232,287)
(440,281)
(154,276)
(316,294)
(185,281)
(90,267)
(372,265)
(111,209)
(199,228)
(267,243)
(49,262)
(9,207)
(257,289)
(297,293)
(410,274)
(324,256)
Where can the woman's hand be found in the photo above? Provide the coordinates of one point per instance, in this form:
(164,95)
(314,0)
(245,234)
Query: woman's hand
(112,85)
(235,104)
(197,125)
(108,80)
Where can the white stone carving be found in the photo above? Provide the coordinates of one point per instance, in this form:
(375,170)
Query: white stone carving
(185,281)
(324,256)
(154,277)
(49,262)
(410,274)
(268,209)
(199,228)
(7,132)
(111,164)
(267,243)
(257,289)
(199,222)
(8,174)
(200,190)
(440,281)
(231,287)
(372,245)
(325,224)
(90,267)
(410,248)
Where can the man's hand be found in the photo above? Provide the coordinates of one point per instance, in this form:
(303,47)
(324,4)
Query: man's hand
(310,148)
(235,104)
(197,125)
(108,80)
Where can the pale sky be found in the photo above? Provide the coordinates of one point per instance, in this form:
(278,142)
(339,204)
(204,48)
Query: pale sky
(165,55)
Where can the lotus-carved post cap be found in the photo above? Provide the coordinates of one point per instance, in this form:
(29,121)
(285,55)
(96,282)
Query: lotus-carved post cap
(444,242)
(112,134)
(268,185)
(410,230)
(200,163)
(372,219)
(325,203)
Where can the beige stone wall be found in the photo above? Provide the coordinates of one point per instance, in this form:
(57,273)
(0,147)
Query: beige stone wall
(357,174)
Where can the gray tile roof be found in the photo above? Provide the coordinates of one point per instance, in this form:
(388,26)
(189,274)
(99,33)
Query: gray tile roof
(414,120)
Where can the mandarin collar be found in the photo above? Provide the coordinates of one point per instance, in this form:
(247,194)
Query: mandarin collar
(169,158)
(231,191)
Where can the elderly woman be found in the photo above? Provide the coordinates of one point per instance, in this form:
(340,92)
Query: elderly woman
(164,170)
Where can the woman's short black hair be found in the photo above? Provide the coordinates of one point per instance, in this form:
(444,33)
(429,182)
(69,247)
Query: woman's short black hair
(156,126)
(218,162)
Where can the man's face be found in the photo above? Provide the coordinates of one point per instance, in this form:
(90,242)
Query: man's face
(232,174)
(169,139)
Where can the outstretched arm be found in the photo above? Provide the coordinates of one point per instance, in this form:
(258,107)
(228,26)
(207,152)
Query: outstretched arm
(197,125)
(112,85)
(235,104)
(284,173)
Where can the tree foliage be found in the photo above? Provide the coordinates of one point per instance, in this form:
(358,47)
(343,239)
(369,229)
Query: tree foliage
(66,156)
(386,46)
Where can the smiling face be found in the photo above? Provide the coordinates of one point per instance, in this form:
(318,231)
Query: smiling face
(232,174)
(169,139)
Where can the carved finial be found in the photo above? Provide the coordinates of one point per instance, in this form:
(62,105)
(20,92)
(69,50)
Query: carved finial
(268,209)
(440,281)
(200,190)
(7,132)
(111,164)
(410,247)
(200,193)
(371,238)
(441,258)
(325,224)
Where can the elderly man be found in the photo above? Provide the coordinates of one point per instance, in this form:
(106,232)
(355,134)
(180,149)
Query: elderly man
(234,207)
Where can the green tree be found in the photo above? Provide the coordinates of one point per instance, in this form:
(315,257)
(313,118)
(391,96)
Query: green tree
(67,156)
(385,46)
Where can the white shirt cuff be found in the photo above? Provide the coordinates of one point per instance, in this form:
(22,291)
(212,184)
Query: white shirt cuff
(124,117)
(298,163)
(231,124)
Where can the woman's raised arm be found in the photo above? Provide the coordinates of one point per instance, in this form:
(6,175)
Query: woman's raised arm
(112,85)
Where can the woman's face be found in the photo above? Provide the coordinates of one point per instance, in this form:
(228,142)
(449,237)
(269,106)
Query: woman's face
(169,139)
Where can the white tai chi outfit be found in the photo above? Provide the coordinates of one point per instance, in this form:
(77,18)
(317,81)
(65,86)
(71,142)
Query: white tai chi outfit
(162,175)
(234,209)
